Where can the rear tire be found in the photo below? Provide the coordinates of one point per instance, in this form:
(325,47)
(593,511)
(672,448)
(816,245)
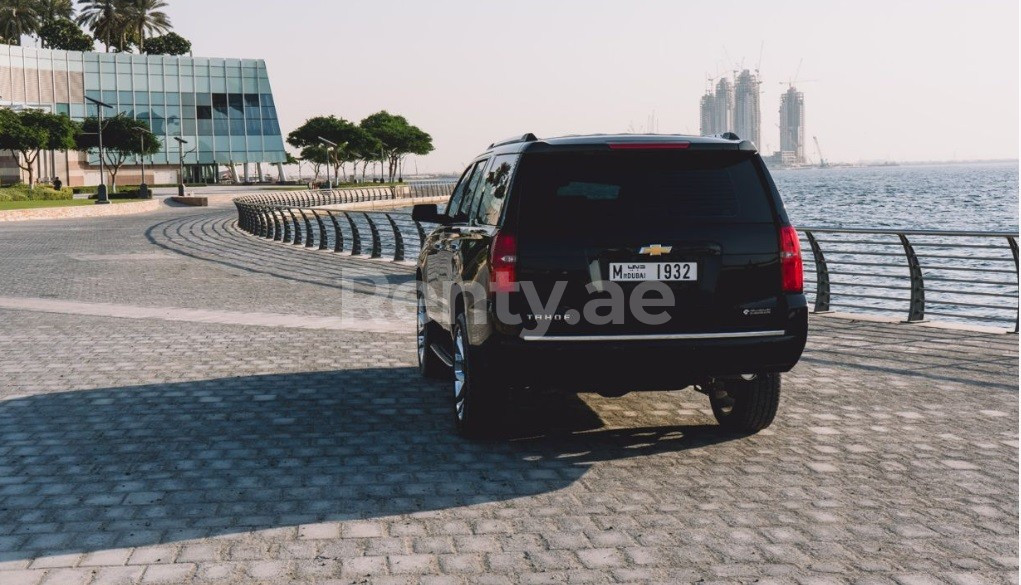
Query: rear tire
(746,406)
(479,400)
(429,364)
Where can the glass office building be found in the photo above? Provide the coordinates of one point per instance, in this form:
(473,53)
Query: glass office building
(223,108)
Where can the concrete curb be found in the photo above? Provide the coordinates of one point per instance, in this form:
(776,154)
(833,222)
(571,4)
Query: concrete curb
(79,211)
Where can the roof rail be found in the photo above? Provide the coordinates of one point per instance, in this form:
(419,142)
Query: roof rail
(728,136)
(523,138)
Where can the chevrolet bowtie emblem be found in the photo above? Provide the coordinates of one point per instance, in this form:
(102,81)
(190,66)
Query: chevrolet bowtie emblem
(655,250)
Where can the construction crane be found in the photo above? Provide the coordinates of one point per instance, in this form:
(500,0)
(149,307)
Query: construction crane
(822,161)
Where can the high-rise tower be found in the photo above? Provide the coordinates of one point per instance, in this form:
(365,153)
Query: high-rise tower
(707,114)
(792,124)
(723,108)
(747,116)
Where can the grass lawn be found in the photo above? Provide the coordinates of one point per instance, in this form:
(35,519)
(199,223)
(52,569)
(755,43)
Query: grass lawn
(5,205)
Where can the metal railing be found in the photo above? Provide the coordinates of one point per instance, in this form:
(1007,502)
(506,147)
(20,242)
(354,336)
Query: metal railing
(969,276)
(304,218)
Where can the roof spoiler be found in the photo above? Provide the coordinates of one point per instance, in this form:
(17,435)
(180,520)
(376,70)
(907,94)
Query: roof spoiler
(523,138)
(742,144)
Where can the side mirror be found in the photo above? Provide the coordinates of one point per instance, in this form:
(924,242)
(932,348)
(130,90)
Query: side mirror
(427,212)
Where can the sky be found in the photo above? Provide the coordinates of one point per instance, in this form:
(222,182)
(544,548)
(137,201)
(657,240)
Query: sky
(893,80)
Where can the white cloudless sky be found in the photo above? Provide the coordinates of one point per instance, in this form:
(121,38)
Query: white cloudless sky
(892,79)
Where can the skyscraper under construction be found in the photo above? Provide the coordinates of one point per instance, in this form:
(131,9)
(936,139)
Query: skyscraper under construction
(747,115)
(792,124)
(733,107)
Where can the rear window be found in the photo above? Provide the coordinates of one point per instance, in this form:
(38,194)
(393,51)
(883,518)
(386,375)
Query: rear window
(602,189)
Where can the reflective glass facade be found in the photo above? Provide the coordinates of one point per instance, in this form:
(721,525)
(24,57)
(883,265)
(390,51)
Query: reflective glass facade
(223,107)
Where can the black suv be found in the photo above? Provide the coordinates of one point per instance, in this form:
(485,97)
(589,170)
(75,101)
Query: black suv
(612,263)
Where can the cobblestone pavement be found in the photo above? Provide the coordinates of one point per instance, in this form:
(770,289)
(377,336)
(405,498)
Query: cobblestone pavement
(137,450)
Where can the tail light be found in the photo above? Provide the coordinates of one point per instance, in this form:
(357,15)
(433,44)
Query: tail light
(503,260)
(792,273)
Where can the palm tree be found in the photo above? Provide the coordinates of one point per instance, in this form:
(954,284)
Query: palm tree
(145,17)
(52,10)
(104,19)
(17,18)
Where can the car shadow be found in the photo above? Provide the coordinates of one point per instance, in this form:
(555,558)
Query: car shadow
(140,465)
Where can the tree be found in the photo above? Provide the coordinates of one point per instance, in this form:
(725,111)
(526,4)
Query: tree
(337,130)
(143,17)
(53,10)
(17,18)
(123,137)
(168,44)
(29,132)
(316,156)
(105,20)
(65,35)
(397,137)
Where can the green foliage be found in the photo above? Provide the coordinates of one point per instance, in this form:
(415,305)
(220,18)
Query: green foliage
(65,35)
(124,23)
(353,142)
(17,18)
(168,44)
(123,137)
(397,137)
(22,192)
(52,10)
(30,131)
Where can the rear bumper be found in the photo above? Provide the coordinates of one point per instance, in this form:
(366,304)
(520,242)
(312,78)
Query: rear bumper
(619,363)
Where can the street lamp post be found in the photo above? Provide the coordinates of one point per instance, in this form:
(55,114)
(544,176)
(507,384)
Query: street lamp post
(101,196)
(143,189)
(329,145)
(180,172)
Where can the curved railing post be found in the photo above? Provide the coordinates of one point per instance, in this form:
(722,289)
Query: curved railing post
(323,243)
(421,234)
(286,237)
(822,276)
(1012,242)
(916,312)
(377,244)
(338,236)
(356,237)
(279,226)
(399,252)
(309,236)
(296,240)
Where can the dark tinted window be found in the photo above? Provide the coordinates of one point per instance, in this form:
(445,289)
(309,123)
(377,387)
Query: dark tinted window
(599,190)
(494,189)
(471,190)
(457,195)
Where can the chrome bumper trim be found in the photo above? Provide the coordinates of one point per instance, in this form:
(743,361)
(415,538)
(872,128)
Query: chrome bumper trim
(654,337)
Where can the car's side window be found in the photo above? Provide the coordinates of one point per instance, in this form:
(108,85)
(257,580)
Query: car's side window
(495,189)
(471,191)
(457,195)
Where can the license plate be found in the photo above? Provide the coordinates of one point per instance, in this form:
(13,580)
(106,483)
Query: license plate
(669,271)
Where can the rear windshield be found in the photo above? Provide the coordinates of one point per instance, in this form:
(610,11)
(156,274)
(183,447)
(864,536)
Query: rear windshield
(602,189)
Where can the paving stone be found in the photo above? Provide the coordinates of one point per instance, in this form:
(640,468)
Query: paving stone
(166,451)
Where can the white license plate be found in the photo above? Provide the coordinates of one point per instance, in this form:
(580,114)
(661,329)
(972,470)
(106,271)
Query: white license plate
(670,271)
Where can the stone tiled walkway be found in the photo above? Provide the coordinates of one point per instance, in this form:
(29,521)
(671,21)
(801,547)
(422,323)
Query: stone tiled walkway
(136,449)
